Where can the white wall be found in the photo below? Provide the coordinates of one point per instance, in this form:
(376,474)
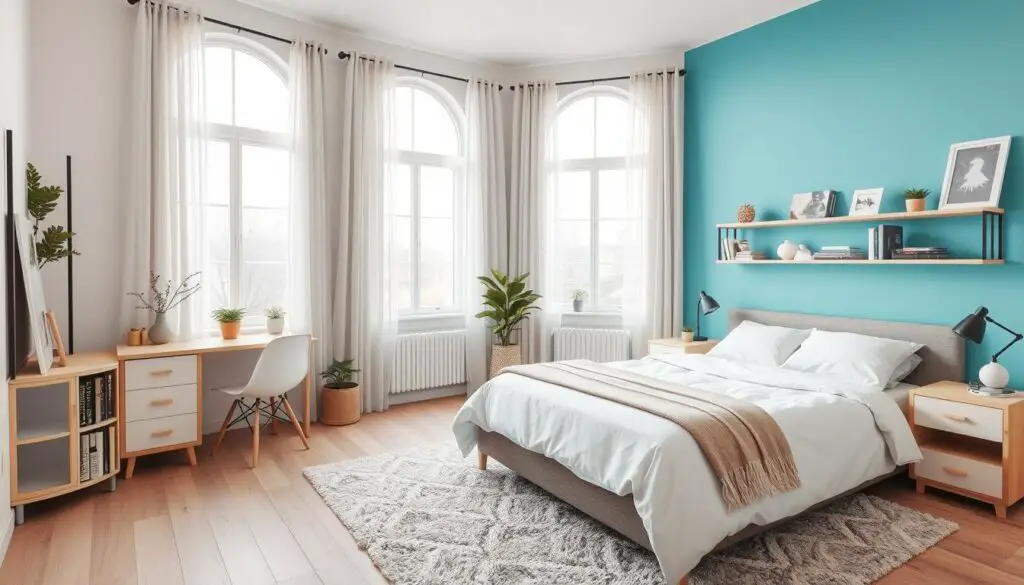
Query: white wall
(13,116)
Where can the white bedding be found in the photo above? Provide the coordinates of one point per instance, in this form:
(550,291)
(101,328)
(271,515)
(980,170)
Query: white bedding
(840,435)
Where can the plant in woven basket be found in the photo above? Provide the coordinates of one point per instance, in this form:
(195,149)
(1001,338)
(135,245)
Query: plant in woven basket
(508,303)
(746,213)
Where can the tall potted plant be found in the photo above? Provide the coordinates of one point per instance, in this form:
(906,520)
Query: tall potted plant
(340,395)
(508,303)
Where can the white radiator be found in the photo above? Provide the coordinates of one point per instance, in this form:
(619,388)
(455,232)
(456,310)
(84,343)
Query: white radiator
(429,360)
(599,345)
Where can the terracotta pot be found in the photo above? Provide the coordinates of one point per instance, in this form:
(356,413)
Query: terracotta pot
(503,356)
(341,406)
(230,330)
(915,205)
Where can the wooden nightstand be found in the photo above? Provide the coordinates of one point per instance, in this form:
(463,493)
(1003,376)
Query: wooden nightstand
(972,445)
(676,345)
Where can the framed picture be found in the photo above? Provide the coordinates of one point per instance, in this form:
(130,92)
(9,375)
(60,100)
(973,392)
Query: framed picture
(866,201)
(974,173)
(812,205)
(41,340)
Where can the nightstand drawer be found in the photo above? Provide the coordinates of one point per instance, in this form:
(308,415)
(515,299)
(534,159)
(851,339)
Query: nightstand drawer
(960,418)
(160,402)
(679,347)
(159,372)
(969,474)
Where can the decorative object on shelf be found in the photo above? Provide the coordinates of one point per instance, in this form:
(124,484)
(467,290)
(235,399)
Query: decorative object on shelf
(746,213)
(578,296)
(340,396)
(890,239)
(230,321)
(687,335)
(812,205)
(275,319)
(144,335)
(803,254)
(705,305)
(787,250)
(916,199)
(972,328)
(55,243)
(866,201)
(163,300)
(134,337)
(508,303)
(42,342)
(974,173)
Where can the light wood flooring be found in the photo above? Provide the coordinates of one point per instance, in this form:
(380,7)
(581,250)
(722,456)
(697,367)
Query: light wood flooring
(222,523)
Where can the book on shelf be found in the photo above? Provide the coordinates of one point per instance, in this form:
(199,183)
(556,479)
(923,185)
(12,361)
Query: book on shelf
(890,237)
(95,466)
(749,256)
(83,458)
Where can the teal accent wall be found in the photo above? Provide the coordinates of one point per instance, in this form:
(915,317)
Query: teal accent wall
(845,95)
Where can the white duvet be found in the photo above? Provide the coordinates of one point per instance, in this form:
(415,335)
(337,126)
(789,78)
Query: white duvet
(841,435)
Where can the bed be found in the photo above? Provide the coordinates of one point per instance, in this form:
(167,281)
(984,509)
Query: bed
(589,456)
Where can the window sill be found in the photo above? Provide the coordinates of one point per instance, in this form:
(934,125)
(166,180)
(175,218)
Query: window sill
(592,320)
(427,323)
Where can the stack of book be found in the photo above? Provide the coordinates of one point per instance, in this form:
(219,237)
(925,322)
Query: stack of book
(95,454)
(95,399)
(883,241)
(733,249)
(840,253)
(748,256)
(923,253)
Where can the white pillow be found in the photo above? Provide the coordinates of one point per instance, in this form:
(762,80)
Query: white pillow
(903,370)
(857,358)
(758,344)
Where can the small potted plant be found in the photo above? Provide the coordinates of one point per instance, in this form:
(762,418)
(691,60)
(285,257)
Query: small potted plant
(687,334)
(578,296)
(340,395)
(916,199)
(275,319)
(230,321)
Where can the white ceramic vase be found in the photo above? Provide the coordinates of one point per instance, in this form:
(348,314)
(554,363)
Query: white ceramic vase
(275,326)
(994,375)
(803,254)
(787,251)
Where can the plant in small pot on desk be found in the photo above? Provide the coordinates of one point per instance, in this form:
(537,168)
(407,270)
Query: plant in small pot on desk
(578,296)
(230,321)
(340,396)
(275,319)
(916,199)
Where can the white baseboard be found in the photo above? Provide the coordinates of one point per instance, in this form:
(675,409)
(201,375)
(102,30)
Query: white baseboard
(428,394)
(7,536)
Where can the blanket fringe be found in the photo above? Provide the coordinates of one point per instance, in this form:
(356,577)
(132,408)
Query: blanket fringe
(759,479)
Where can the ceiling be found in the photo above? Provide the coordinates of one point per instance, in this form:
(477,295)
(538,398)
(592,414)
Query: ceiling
(528,32)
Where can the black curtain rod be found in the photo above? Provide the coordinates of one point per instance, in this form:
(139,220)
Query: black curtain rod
(682,72)
(343,55)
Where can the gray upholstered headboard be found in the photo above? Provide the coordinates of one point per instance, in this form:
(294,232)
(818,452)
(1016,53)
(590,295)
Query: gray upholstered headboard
(943,353)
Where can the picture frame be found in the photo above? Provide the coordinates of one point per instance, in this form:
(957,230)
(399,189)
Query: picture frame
(813,205)
(866,202)
(42,342)
(974,173)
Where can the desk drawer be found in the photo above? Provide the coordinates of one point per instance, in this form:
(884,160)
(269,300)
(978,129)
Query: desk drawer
(160,402)
(160,372)
(956,417)
(161,432)
(969,474)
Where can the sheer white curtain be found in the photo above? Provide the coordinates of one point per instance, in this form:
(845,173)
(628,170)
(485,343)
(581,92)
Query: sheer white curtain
(165,163)
(308,288)
(531,209)
(652,294)
(485,231)
(365,318)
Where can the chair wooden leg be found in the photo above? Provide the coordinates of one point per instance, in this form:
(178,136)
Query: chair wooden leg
(256,434)
(295,421)
(273,415)
(482,460)
(224,427)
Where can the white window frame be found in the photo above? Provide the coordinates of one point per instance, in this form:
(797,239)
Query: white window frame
(593,166)
(237,137)
(457,164)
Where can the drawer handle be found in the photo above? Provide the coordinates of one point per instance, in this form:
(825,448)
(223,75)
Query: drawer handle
(163,433)
(954,471)
(162,402)
(957,417)
(161,372)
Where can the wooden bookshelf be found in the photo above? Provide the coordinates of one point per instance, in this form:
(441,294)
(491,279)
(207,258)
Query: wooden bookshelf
(946,262)
(879,218)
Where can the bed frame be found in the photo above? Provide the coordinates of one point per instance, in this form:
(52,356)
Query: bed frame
(943,359)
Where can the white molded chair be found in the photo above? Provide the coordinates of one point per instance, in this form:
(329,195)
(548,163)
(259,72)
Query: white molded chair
(283,364)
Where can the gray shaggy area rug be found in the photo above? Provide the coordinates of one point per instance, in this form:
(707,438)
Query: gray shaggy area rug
(430,517)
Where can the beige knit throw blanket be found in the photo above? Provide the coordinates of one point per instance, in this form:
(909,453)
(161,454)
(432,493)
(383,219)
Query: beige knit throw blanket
(743,444)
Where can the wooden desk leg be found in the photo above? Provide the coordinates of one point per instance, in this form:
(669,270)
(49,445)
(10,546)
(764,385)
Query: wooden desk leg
(256,434)
(273,415)
(1000,511)
(130,470)
(307,388)
(191,453)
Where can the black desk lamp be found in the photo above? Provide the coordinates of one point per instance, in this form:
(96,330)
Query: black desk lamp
(706,305)
(972,328)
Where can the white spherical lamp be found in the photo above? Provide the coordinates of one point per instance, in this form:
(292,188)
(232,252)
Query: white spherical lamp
(994,375)
(972,328)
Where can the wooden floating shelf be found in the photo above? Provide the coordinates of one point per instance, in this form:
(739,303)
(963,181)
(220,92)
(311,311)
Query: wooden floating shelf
(879,218)
(949,262)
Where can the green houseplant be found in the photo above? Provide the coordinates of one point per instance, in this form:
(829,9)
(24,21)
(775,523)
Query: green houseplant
(508,303)
(340,395)
(55,242)
(916,199)
(230,321)
(275,319)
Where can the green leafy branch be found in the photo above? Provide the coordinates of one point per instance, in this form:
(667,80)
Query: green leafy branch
(55,243)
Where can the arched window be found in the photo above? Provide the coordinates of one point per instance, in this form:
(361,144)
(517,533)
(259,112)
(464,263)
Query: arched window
(426,186)
(591,212)
(248,182)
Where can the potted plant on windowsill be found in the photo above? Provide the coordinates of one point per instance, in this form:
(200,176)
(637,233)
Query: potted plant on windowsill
(578,296)
(916,199)
(340,396)
(275,319)
(230,321)
(508,303)
(687,334)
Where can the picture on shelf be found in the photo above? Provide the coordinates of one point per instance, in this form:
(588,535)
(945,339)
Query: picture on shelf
(866,202)
(974,173)
(812,205)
